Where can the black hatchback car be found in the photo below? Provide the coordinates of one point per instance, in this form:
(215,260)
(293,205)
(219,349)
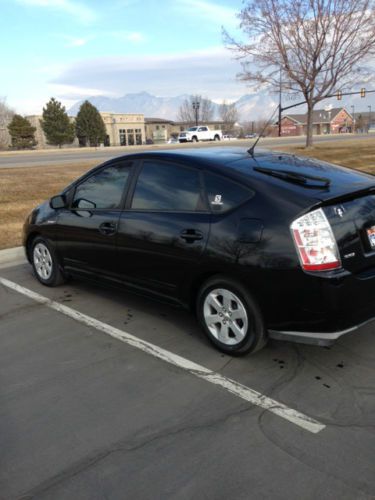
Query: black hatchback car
(265,245)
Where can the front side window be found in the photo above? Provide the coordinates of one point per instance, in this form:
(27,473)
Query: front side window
(102,190)
(165,186)
(224,194)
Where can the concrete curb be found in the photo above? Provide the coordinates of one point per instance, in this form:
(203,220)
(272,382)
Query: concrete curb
(12,255)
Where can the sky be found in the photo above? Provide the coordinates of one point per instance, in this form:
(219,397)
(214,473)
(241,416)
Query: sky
(72,50)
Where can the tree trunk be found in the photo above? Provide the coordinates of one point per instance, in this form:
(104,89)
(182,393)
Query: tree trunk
(309,125)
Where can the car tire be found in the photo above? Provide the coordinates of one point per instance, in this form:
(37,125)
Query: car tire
(230,317)
(216,138)
(45,263)
(194,139)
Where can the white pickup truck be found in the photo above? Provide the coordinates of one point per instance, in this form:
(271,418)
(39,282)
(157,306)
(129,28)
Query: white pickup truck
(201,133)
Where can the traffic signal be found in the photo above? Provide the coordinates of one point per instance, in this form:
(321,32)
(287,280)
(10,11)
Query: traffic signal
(363,92)
(339,95)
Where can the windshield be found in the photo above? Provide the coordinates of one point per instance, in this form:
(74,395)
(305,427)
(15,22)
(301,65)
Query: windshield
(192,129)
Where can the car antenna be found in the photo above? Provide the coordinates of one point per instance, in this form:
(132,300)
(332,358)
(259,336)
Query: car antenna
(251,150)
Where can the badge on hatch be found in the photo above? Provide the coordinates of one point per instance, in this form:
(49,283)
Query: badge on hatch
(371,236)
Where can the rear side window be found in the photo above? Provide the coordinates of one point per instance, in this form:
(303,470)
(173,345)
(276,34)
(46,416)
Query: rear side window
(224,194)
(165,186)
(102,190)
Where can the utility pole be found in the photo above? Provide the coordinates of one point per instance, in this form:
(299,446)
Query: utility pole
(280,108)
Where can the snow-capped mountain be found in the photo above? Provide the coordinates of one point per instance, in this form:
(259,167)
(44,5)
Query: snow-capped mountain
(142,102)
(250,107)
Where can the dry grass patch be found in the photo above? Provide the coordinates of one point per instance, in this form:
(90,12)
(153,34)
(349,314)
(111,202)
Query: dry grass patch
(21,189)
(358,154)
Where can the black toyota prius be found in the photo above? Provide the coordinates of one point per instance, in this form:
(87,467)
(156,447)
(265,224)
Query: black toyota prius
(257,245)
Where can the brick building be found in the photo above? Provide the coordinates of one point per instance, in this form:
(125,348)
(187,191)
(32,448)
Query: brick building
(332,121)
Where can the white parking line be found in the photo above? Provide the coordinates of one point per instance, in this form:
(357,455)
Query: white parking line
(243,392)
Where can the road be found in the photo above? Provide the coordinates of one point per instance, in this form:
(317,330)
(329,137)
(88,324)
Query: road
(56,157)
(85,415)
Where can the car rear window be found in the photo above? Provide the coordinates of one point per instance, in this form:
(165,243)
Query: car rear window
(224,194)
(165,186)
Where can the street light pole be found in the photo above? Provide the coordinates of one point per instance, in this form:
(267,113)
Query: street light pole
(196,105)
(353,118)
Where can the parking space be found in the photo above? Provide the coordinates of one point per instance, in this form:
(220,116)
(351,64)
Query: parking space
(84,415)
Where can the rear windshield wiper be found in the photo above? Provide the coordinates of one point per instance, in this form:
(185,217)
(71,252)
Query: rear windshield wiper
(308,181)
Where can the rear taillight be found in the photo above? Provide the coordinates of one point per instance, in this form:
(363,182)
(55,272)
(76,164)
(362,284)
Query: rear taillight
(315,242)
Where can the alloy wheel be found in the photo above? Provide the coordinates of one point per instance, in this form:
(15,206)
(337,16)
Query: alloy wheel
(42,261)
(225,316)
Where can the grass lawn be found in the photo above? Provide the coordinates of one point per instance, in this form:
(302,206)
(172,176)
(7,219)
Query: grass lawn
(357,154)
(21,189)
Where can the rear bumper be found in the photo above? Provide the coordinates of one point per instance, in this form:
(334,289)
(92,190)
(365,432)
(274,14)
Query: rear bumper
(319,309)
(315,338)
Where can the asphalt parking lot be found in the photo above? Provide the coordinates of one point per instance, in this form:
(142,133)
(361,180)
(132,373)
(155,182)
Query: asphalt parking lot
(85,415)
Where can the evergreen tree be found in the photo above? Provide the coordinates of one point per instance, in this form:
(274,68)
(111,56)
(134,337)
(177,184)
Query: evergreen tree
(6,115)
(90,128)
(56,124)
(22,133)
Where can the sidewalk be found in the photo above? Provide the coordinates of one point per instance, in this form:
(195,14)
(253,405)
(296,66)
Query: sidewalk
(12,257)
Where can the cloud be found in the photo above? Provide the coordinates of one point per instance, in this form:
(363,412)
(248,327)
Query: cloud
(72,93)
(211,73)
(125,3)
(128,36)
(72,41)
(217,14)
(80,11)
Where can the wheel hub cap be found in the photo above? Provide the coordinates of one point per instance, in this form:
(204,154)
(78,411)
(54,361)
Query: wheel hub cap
(42,261)
(225,316)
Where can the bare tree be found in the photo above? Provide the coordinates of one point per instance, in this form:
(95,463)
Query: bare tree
(207,110)
(6,115)
(314,47)
(187,113)
(228,115)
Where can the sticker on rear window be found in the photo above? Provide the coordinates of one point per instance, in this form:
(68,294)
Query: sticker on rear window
(217,200)
(371,236)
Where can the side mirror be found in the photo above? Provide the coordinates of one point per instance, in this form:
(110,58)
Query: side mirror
(84,204)
(58,201)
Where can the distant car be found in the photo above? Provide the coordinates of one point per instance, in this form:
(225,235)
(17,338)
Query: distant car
(200,133)
(229,137)
(371,129)
(259,246)
(251,136)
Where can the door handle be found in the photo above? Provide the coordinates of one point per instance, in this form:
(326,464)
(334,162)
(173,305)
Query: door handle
(108,228)
(191,235)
